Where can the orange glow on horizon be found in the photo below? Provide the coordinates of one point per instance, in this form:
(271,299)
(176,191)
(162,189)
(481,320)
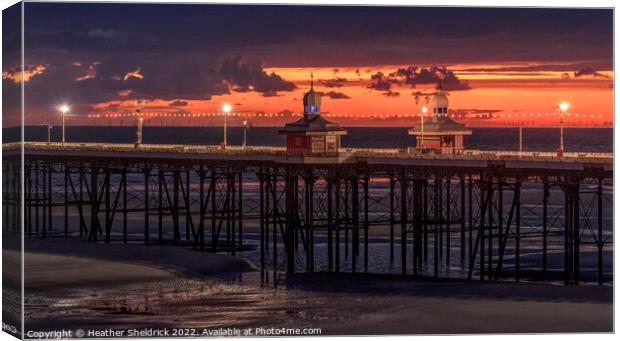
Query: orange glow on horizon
(495,99)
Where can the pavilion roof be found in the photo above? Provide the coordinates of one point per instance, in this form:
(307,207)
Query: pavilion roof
(441,124)
(311,123)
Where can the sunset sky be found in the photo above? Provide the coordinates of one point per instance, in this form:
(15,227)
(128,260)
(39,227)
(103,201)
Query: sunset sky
(508,66)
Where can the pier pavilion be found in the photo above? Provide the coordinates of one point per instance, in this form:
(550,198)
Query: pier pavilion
(312,135)
(440,133)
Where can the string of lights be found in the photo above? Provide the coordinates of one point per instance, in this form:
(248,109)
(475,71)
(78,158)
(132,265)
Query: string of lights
(353,116)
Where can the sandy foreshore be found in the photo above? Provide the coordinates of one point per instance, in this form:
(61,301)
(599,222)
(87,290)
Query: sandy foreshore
(71,271)
(74,283)
(172,258)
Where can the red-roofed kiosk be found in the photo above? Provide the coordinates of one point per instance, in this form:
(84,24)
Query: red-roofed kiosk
(440,133)
(312,135)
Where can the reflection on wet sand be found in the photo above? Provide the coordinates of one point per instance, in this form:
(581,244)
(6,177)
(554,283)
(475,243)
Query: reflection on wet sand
(177,303)
(180,295)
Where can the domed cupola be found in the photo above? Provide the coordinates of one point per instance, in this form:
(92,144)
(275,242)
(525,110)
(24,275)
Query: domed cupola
(439,103)
(312,100)
(312,135)
(440,134)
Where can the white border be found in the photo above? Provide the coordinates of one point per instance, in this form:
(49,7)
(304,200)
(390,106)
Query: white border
(472,3)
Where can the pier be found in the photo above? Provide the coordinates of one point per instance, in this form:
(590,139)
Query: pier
(465,216)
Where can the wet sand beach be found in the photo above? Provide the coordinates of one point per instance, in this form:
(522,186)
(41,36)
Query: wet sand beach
(72,283)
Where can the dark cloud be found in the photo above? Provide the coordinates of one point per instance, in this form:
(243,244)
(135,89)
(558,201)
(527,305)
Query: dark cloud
(84,82)
(335,95)
(380,82)
(108,80)
(270,94)
(346,36)
(595,64)
(437,75)
(60,81)
(391,93)
(414,75)
(251,76)
(114,106)
(178,103)
(589,72)
(333,83)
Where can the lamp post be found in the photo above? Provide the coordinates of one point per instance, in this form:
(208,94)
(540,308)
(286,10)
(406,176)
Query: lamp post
(563,108)
(139,123)
(139,126)
(245,133)
(424,110)
(226,108)
(49,132)
(64,109)
(520,139)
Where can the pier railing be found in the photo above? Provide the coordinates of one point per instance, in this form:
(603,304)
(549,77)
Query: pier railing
(468,154)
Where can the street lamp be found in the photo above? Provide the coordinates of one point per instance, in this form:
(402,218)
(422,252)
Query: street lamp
(520,139)
(64,109)
(245,133)
(49,132)
(563,108)
(226,108)
(424,111)
(139,123)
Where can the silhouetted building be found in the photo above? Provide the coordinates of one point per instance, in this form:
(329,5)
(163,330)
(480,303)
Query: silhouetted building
(312,135)
(440,133)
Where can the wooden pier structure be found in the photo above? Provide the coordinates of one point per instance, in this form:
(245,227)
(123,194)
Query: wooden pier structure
(439,213)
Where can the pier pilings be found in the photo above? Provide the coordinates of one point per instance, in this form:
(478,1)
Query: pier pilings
(486,223)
